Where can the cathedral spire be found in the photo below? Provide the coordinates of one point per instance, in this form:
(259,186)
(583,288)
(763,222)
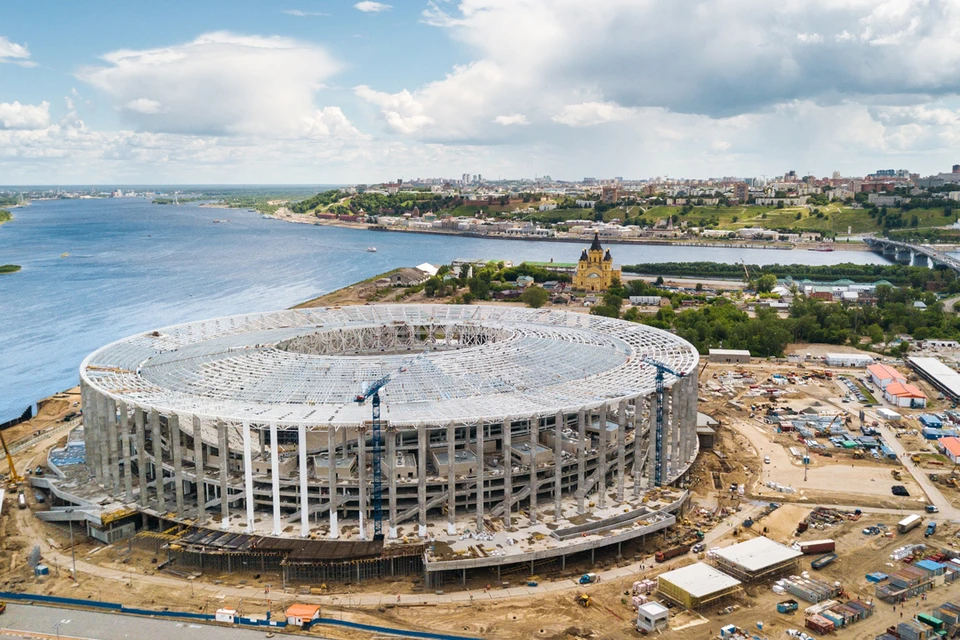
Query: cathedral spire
(596,243)
(583,256)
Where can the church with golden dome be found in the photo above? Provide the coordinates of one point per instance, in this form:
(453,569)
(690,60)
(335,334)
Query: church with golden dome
(595,271)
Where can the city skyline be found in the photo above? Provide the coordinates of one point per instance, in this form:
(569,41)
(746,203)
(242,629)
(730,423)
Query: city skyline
(353,92)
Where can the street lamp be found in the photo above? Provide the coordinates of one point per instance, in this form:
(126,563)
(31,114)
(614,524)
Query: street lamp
(57,627)
(73,550)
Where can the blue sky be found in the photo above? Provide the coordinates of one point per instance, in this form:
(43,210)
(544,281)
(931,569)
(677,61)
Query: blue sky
(329,91)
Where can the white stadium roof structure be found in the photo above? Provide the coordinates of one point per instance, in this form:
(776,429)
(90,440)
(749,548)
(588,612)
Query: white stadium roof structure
(306,366)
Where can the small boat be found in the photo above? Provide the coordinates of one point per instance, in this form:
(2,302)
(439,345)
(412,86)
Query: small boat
(266,217)
(64,255)
(372,249)
(821,249)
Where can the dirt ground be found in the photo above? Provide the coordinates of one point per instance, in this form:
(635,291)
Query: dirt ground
(128,573)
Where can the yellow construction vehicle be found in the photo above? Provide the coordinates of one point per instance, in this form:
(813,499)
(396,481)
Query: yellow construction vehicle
(583,600)
(15,478)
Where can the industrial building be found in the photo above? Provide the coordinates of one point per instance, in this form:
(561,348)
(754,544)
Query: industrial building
(697,585)
(941,376)
(848,359)
(729,356)
(250,424)
(757,559)
(882,375)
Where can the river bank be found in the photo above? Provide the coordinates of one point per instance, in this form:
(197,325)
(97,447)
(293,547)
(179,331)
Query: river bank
(286,215)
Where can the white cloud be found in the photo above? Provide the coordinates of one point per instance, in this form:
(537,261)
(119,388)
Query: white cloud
(304,14)
(14,115)
(145,106)
(220,84)
(11,52)
(588,114)
(512,120)
(367,6)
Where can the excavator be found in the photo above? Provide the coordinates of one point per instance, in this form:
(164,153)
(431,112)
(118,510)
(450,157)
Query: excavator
(583,600)
(14,478)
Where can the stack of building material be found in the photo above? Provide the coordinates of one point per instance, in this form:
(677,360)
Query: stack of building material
(809,589)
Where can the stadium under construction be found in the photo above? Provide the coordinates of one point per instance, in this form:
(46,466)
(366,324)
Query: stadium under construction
(480,436)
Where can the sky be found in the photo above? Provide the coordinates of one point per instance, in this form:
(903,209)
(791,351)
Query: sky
(324,91)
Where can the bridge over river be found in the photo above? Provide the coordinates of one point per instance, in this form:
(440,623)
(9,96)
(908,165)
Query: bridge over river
(913,254)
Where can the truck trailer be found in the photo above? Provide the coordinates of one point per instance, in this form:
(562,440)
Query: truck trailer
(663,556)
(817,546)
(908,523)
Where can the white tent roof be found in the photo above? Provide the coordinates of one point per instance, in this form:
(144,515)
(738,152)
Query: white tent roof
(699,580)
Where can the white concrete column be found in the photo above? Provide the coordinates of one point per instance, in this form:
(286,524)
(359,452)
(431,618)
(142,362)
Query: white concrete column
(199,471)
(139,420)
(451,480)
(621,448)
(362,481)
(652,440)
(390,468)
(125,453)
(248,476)
(638,448)
(581,461)
(506,442)
(332,479)
(480,477)
(173,423)
(674,422)
(103,442)
(602,459)
(304,496)
(275,478)
(422,479)
(534,477)
(113,448)
(223,446)
(157,460)
(557,465)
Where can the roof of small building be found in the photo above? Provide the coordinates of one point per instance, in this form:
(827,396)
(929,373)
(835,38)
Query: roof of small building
(904,390)
(951,444)
(883,371)
(653,609)
(729,352)
(757,554)
(302,610)
(699,579)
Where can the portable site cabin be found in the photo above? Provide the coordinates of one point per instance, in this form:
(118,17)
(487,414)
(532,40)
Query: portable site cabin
(652,616)
(301,614)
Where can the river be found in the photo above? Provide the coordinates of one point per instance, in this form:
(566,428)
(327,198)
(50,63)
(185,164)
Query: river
(133,266)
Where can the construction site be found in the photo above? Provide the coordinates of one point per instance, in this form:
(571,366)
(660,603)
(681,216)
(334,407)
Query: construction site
(780,506)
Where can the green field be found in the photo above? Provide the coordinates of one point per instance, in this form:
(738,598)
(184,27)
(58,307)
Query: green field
(836,218)
(9,268)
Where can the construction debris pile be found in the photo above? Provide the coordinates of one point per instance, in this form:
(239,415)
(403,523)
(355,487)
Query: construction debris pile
(826,517)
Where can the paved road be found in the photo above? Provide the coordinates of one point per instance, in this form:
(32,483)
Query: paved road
(28,621)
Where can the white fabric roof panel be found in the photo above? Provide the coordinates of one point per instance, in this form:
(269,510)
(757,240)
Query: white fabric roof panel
(699,580)
(307,366)
(757,554)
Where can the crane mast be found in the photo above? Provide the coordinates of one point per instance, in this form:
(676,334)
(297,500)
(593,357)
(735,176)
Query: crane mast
(373,392)
(658,456)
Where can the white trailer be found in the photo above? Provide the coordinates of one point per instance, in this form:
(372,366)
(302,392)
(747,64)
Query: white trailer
(908,523)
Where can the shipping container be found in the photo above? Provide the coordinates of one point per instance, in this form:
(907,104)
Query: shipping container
(823,561)
(817,546)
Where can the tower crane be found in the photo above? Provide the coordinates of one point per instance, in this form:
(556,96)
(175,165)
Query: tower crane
(658,457)
(373,392)
(15,478)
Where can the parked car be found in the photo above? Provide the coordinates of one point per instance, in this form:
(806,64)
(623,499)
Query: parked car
(932,508)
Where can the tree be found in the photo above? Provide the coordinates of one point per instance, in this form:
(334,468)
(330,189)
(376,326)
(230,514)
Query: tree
(534,296)
(766,283)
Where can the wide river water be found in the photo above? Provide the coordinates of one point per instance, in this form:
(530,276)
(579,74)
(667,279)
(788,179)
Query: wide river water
(97,270)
